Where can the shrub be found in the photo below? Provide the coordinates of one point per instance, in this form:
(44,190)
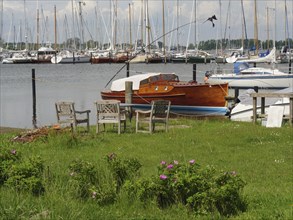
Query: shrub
(84,176)
(122,169)
(27,175)
(7,159)
(89,183)
(203,190)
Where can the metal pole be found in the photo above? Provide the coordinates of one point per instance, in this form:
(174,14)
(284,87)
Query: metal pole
(127,68)
(34,98)
(194,72)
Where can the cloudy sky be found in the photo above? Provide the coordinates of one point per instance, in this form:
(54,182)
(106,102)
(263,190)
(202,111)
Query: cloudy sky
(19,19)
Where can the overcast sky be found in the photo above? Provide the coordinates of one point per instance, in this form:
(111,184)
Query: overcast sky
(96,15)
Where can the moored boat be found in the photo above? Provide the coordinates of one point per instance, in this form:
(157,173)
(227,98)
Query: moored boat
(244,76)
(155,86)
(70,57)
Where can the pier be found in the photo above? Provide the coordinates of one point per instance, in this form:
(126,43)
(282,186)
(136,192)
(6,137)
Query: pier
(271,95)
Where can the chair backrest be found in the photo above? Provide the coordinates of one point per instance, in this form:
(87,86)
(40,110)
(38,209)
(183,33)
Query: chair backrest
(108,109)
(65,110)
(160,109)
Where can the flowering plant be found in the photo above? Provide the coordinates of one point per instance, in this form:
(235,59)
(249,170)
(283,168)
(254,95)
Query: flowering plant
(201,189)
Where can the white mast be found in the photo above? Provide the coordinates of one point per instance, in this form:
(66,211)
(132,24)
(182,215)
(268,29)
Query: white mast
(81,24)
(73,25)
(164,38)
(255,27)
(38,25)
(1,25)
(25,26)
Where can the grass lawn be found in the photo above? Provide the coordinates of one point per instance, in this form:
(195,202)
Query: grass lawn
(263,157)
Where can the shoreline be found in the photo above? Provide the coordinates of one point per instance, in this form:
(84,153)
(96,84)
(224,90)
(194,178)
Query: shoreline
(4,130)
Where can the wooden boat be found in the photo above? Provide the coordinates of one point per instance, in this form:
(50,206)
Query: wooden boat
(154,86)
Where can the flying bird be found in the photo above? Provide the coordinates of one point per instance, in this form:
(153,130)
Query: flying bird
(211,19)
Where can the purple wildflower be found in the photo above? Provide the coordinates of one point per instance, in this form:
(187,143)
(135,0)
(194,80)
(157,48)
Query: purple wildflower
(163,162)
(191,161)
(170,166)
(13,152)
(163,177)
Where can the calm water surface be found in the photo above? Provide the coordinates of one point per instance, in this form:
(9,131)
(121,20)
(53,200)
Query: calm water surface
(80,83)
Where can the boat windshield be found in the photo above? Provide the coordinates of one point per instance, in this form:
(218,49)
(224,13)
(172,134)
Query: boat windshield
(161,77)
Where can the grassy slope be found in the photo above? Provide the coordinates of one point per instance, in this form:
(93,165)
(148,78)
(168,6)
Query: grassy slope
(262,156)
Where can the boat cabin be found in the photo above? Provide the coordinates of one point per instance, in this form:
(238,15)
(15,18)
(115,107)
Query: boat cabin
(143,80)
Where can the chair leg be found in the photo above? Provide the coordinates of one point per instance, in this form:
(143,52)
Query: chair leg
(119,127)
(136,124)
(97,128)
(72,126)
(150,127)
(88,126)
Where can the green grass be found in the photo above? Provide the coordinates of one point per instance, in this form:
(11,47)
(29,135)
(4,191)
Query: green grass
(263,157)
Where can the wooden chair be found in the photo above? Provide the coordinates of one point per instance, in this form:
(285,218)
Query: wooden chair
(159,113)
(109,112)
(66,114)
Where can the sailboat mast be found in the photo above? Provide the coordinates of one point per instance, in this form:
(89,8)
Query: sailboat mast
(268,30)
(81,24)
(73,25)
(147,27)
(178,26)
(130,31)
(195,32)
(115,25)
(25,26)
(245,44)
(286,26)
(55,27)
(1,25)
(141,22)
(255,28)
(164,39)
(221,34)
(38,26)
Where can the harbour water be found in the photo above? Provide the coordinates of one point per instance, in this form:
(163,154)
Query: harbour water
(80,83)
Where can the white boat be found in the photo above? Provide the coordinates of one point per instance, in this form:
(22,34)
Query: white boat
(244,76)
(45,54)
(243,111)
(22,56)
(267,58)
(70,57)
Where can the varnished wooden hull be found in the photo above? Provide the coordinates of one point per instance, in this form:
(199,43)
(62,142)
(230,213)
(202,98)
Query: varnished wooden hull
(186,94)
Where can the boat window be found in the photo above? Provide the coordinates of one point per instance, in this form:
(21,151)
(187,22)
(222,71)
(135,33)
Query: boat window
(145,81)
(170,77)
(154,78)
